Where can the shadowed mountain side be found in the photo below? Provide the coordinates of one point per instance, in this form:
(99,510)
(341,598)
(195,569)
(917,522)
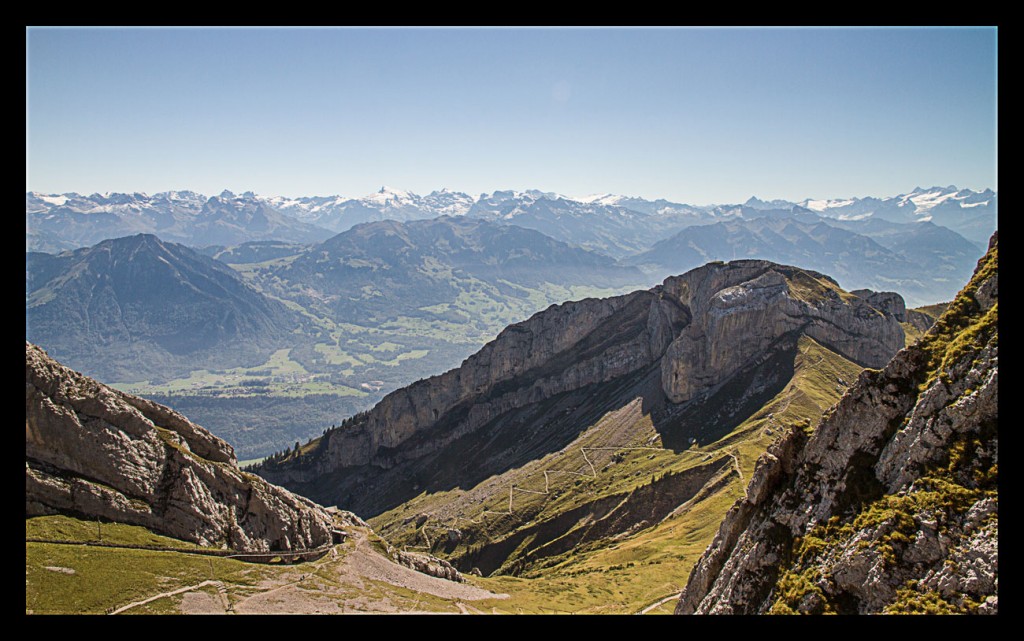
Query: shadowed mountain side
(608,483)
(710,417)
(536,430)
(521,421)
(137,306)
(537,385)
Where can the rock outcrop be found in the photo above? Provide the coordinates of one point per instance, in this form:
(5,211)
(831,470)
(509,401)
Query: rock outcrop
(891,504)
(95,452)
(430,565)
(700,329)
(740,308)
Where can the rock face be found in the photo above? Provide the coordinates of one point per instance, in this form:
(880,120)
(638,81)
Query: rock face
(700,328)
(891,505)
(739,309)
(95,452)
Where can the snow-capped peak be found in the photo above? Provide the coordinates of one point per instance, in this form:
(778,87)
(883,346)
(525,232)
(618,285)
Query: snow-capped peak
(822,205)
(600,199)
(389,196)
(51,199)
(926,199)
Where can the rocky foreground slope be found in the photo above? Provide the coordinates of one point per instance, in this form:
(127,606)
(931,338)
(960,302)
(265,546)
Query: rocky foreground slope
(692,334)
(891,504)
(94,452)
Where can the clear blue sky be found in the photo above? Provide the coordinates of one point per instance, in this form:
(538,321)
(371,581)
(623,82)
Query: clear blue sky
(693,115)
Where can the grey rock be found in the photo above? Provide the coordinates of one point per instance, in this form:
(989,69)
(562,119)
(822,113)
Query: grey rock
(761,301)
(879,441)
(889,302)
(95,452)
(428,564)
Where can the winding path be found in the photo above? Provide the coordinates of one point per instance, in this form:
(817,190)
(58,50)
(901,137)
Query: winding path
(187,588)
(654,605)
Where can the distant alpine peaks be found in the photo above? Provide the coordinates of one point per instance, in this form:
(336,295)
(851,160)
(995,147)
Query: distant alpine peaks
(616,224)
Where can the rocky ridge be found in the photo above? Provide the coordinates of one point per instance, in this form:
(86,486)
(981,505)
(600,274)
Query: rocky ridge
(97,453)
(891,504)
(689,327)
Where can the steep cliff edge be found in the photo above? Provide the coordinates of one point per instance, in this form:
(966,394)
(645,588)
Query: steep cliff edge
(891,504)
(696,331)
(94,452)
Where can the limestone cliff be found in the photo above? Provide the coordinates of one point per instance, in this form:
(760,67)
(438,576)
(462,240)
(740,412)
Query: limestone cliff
(739,309)
(95,452)
(699,330)
(891,504)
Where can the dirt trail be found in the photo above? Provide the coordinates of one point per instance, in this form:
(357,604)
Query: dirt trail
(329,586)
(657,603)
(365,562)
(187,588)
(346,587)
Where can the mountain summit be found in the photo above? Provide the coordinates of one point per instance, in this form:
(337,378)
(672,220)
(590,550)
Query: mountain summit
(151,305)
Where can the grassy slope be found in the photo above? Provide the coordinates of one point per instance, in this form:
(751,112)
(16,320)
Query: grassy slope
(106,578)
(65,579)
(633,571)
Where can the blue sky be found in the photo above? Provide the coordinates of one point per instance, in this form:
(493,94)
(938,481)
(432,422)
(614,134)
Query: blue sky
(692,115)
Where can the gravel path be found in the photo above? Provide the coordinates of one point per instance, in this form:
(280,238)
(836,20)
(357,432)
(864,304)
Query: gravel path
(365,562)
(303,592)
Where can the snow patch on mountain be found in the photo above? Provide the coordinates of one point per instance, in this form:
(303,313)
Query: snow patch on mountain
(601,199)
(822,205)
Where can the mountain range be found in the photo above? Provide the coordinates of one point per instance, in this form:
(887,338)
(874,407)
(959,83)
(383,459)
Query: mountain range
(661,371)
(922,261)
(296,334)
(616,225)
(340,214)
(383,270)
(58,222)
(416,290)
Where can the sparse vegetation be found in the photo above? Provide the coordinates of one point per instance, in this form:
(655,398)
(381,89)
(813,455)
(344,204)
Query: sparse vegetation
(887,525)
(962,325)
(913,599)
